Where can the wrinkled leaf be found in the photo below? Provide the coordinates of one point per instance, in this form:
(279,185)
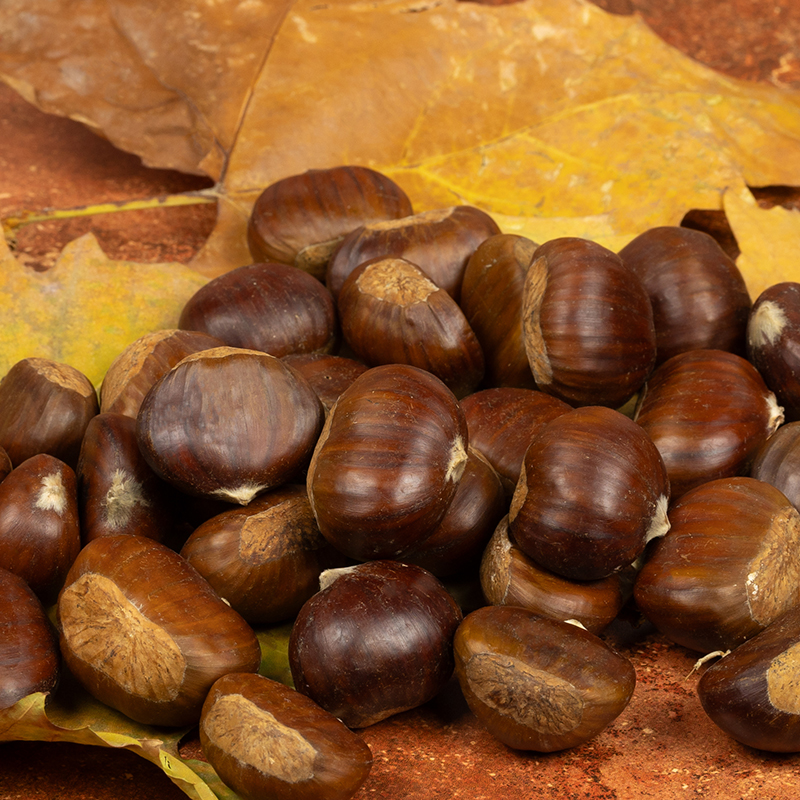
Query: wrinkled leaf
(552,115)
(87,308)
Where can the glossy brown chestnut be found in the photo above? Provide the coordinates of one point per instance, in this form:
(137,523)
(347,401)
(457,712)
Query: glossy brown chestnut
(751,693)
(328,375)
(537,683)
(276,308)
(588,324)
(300,219)
(265,559)
(392,313)
(375,641)
(439,242)
(45,407)
(145,633)
(777,461)
(39,524)
(491,299)
(5,463)
(502,421)
(29,657)
(729,565)
(265,739)
(133,372)
(708,412)
(592,493)
(509,578)
(229,423)
(388,462)
(773,343)
(699,297)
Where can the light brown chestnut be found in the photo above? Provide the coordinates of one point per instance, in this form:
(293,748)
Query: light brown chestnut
(491,299)
(375,641)
(588,324)
(39,523)
(229,423)
(392,313)
(265,739)
(145,633)
(699,297)
(273,307)
(729,565)
(300,219)
(388,462)
(133,372)
(708,412)
(537,683)
(327,374)
(45,407)
(439,242)
(592,493)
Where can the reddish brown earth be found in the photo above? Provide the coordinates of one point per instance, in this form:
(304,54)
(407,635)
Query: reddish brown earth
(662,746)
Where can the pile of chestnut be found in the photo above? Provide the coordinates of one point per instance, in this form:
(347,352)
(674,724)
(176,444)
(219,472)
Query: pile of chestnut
(382,402)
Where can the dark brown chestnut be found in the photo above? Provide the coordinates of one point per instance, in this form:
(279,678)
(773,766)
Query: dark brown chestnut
(375,641)
(751,693)
(39,523)
(388,462)
(537,683)
(699,297)
(229,423)
(328,375)
(265,739)
(773,343)
(276,308)
(29,658)
(300,219)
(392,313)
(439,242)
(145,633)
(588,324)
(729,565)
(491,299)
(5,463)
(45,407)
(777,461)
(708,412)
(134,371)
(592,493)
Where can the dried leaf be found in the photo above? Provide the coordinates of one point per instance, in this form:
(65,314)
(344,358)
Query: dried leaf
(87,308)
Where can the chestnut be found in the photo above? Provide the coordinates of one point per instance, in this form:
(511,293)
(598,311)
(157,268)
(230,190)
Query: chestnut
(392,313)
(375,641)
(699,297)
(751,693)
(327,374)
(777,461)
(39,523)
(439,242)
(537,683)
(144,633)
(276,308)
(387,463)
(29,658)
(588,324)
(133,372)
(45,407)
(592,493)
(773,343)
(300,219)
(265,739)
(491,299)
(229,423)
(708,412)
(726,569)
(5,463)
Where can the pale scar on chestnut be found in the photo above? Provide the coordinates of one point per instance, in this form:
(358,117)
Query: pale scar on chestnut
(532,298)
(532,697)
(52,496)
(62,376)
(767,324)
(256,546)
(255,737)
(396,281)
(783,680)
(122,498)
(774,573)
(434,215)
(103,628)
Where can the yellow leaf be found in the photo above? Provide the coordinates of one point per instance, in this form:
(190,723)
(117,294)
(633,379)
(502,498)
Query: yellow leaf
(769,240)
(87,308)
